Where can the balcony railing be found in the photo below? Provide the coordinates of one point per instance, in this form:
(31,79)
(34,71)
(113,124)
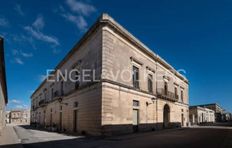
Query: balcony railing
(163,94)
(57,95)
(42,103)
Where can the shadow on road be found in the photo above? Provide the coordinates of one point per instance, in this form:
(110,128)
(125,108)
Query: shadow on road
(181,138)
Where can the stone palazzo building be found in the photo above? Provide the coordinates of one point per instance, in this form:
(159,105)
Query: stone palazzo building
(18,117)
(3,88)
(131,87)
(199,115)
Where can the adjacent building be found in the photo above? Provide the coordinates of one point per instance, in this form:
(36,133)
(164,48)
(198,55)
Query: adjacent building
(18,117)
(199,115)
(227,116)
(7,117)
(3,88)
(219,111)
(129,87)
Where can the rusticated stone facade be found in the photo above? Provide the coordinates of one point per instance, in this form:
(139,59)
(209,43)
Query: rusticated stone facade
(137,90)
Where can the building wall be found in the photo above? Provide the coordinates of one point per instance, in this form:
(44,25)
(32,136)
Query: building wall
(3,89)
(18,117)
(217,109)
(117,110)
(87,95)
(119,56)
(200,115)
(89,112)
(2,108)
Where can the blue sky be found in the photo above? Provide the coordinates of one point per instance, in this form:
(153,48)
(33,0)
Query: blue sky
(194,35)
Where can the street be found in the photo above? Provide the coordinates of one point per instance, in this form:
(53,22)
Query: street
(213,137)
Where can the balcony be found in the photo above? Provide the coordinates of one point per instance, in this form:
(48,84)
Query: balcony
(167,95)
(42,103)
(57,95)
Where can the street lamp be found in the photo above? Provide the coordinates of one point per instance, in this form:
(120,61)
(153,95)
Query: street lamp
(153,99)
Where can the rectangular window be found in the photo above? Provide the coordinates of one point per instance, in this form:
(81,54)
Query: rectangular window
(182,96)
(135,103)
(77,79)
(176,93)
(165,88)
(135,77)
(150,83)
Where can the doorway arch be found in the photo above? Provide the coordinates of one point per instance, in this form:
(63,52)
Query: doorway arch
(166,116)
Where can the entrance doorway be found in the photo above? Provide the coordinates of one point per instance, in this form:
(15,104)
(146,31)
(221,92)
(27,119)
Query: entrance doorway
(135,119)
(75,120)
(166,116)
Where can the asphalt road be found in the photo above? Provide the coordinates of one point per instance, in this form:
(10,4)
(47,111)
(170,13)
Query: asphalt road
(207,137)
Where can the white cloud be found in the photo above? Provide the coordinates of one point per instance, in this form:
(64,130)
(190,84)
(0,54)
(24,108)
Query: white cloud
(14,101)
(41,36)
(26,55)
(18,61)
(17,104)
(19,10)
(4,22)
(80,7)
(79,21)
(23,106)
(16,52)
(39,23)
(35,31)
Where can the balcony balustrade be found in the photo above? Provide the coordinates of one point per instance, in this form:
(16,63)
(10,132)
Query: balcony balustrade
(167,95)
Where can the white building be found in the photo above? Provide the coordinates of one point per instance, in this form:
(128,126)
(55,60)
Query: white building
(198,115)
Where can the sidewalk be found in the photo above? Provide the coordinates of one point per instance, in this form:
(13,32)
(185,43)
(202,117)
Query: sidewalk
(8,137)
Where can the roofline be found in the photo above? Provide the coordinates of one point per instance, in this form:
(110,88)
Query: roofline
(3,70)
(105,19)
(200,107)
(210,104)
(195,106)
